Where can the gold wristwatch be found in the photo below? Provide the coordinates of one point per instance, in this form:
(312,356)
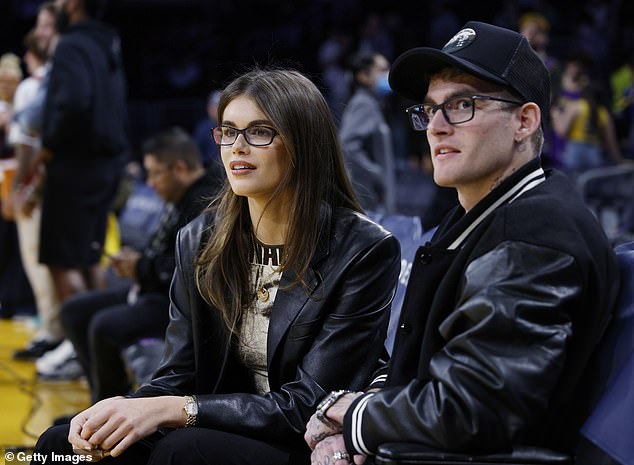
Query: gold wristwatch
(191,411)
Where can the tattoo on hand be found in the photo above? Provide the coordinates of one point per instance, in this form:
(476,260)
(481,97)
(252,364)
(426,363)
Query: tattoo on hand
(319,437)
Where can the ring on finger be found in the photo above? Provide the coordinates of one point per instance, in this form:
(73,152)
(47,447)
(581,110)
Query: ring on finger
(340,455)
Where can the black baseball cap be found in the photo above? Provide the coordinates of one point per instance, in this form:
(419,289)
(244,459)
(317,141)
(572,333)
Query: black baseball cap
(489,52)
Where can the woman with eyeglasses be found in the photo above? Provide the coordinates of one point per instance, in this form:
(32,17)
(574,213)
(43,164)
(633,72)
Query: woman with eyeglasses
(281,294)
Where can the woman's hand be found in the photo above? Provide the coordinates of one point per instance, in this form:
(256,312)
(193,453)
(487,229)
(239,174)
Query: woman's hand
(332,450)
(117,423)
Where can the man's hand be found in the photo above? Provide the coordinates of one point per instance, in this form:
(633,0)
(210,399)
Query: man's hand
(332,450)
(124,263)
(317,430)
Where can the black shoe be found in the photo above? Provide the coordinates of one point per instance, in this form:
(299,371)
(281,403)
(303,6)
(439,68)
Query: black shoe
(6,313)
(35,350)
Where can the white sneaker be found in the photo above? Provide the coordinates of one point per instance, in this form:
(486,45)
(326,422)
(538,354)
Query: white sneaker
(59,364)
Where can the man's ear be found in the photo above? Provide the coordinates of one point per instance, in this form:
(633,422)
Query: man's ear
(180,168)
(529,120)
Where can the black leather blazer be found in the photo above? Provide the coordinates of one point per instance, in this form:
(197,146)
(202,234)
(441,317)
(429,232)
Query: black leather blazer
(327,337)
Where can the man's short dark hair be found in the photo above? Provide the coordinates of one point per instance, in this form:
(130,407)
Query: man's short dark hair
(171,145)
(362,61)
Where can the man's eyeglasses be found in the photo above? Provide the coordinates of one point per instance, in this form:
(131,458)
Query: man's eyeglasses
(256,136)
(456,110)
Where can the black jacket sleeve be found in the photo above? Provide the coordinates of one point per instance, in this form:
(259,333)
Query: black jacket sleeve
(67,112)
(505,349)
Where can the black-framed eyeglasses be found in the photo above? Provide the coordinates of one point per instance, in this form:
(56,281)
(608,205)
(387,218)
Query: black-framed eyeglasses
(256,136)
(456,110)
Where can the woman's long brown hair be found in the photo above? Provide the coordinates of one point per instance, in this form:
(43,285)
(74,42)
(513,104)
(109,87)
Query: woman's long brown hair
(316,175)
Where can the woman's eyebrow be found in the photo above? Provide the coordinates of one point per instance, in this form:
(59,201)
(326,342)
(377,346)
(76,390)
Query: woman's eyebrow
(252,123)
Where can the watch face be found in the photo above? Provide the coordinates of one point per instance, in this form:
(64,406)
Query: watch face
(190,408)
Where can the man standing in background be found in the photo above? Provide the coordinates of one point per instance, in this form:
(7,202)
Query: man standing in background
(84,144)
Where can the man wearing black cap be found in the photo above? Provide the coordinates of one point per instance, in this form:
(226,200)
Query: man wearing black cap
(506,303)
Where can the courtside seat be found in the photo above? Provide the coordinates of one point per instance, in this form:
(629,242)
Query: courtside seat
(142,359)
(409,232)
(609,193)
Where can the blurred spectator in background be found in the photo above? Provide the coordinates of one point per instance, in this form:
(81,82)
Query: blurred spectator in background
(14,291)
(46,26)
(536,28)
(583,123)
(622,85)
(84,142)
(202,132)
(84,146)
(365,136)
(25,203)
(27,186)
(331,56)
(209,154)
(10,77)
(30,118)
(101,323)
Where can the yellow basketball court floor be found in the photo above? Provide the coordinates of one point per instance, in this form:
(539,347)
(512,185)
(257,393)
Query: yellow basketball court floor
(27,405)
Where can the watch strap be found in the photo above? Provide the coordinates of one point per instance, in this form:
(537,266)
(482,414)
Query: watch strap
(325,404)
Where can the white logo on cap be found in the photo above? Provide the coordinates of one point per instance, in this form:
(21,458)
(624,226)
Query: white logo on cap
(460,40)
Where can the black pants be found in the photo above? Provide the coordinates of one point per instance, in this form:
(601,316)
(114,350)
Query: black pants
(15,290)
(101,323)
(190,446)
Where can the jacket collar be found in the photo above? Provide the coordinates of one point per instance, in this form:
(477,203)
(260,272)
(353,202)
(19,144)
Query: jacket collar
(458,226)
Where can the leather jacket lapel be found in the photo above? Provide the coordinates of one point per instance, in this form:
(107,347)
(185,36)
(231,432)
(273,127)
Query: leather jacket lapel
(291,300)
(289,303)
